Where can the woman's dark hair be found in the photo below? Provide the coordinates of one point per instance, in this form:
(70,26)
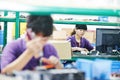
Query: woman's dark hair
(79,26)
(40,24)
(73,32)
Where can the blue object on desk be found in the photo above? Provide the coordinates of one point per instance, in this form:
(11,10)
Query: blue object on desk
(0,63)
(68,66)
(99,69)
(102,69)
(85,66)
(1,37)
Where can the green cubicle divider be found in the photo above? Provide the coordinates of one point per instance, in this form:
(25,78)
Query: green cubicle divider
(5,30)
(17,28)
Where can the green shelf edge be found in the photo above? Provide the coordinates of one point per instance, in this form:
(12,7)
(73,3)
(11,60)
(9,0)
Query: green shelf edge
(7,19)
(17,28)
(47,10)
(67,22)
(88,23)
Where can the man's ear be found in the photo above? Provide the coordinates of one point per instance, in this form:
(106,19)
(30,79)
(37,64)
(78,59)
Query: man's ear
(39,34)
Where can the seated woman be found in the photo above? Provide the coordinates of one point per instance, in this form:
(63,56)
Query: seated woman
(78,42)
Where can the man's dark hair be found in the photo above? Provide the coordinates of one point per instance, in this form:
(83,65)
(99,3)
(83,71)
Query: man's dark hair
(40,24)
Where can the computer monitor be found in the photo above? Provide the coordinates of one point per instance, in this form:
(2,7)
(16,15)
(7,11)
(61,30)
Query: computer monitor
(107,40)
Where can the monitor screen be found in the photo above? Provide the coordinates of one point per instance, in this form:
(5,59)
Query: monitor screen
(107,40)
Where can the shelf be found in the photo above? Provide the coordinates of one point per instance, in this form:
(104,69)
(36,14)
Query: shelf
(7,19)
(67,22)
(92,57)
(39,10)
(88,23)
(11,20)
(77,55)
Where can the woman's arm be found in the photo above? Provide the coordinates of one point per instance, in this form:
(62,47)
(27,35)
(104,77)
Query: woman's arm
(74,48)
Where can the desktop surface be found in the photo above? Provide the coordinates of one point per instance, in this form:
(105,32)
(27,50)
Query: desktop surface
(76,55)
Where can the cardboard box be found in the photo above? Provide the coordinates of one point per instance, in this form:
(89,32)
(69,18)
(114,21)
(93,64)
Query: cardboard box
(68,31)
(59,35)
(90,36)
(63,48)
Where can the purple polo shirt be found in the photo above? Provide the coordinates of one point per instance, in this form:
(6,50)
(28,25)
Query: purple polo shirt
(14,49)
(84,43)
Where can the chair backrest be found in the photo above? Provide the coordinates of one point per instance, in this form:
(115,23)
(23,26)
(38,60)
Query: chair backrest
(0,63)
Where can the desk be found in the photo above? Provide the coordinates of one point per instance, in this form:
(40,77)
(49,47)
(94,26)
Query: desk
(77,55)
(92,57)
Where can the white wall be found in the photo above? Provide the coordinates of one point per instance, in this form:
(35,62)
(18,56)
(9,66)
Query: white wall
(65,3)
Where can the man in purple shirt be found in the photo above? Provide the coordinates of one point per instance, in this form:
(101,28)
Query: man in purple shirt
(78,43)
(24,53)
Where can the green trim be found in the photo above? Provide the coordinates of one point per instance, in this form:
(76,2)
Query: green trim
(22,20)
(88,23)
(67,22)
(5,30)
(7,19)
(47,10)
(77,11)
(92,57)
(78,55)
(17,28)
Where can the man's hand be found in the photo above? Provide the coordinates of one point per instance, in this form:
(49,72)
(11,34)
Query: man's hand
(52,60)
(35,46)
